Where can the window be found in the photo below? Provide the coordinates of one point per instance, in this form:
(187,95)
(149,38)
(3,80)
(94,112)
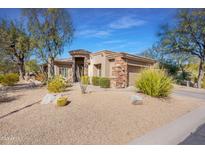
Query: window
(63,71)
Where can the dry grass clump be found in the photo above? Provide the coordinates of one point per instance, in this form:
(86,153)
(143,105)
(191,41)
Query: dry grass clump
(154,82)
(62,101)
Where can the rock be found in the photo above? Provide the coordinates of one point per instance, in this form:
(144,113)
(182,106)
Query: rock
(136,100)
(35,82)
(50,98)
(89,89)
(131,88)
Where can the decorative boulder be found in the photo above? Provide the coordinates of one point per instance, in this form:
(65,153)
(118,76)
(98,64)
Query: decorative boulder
(50,98)
(136,100)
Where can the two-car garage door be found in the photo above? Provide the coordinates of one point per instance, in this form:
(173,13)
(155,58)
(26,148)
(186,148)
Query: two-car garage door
(132,74)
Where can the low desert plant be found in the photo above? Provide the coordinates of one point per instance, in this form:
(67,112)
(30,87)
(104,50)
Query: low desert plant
(154,82)
(85,80)
(9,79)
(56,85)
(104,82)
(62,101)
(1,77)
(96,81)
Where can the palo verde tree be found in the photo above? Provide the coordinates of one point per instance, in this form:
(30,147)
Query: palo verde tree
(14,43)
(51,30)
(187,36)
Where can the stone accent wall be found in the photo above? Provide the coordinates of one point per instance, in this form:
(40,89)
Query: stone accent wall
(119,71)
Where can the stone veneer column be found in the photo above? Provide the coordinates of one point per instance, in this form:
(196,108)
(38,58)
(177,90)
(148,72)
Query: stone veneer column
(120,73)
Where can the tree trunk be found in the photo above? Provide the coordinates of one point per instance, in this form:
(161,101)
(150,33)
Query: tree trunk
(200,73)
(51,67)
(21,70)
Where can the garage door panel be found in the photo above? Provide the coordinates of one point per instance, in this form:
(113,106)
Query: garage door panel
(132,74)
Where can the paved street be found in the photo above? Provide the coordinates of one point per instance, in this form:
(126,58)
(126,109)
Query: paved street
(196,138)
(194,93)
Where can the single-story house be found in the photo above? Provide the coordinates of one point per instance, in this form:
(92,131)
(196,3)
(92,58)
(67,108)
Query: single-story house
(120,67)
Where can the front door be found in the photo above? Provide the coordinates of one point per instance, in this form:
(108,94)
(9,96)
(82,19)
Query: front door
(79,68)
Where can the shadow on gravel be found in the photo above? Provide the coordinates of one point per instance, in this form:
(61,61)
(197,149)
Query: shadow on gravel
(15,111)
(9,99)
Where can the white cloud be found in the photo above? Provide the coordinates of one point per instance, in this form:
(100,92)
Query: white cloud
(126,22)
(93,33)
(113,42)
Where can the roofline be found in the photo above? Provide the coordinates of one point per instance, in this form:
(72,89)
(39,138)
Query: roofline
(84,52)
(110,54)
(103,51)
(141,57)
(130,56)
(63,62)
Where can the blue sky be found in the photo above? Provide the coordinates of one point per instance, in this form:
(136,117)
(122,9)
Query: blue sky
(127,30)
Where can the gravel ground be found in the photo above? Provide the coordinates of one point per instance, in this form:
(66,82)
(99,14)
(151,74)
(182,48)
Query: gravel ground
(21,97)
(100,117)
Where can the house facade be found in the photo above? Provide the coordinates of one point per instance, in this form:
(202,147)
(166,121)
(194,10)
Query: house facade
(120,67)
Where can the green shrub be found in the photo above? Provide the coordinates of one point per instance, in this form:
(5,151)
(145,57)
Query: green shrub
(9,79)
(154,82)
(1,77)
(62,101)
(85,80)
(104,82)
(32,66)
(56,85)
(96,81)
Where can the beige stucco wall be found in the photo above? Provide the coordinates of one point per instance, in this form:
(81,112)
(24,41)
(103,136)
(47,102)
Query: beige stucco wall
(111,65)
(106,65)
(97,59)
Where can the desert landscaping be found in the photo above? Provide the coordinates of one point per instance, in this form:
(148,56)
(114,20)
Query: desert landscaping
(58,85)
(102,116)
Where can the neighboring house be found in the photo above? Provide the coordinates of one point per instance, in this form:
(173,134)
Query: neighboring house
(120,67)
